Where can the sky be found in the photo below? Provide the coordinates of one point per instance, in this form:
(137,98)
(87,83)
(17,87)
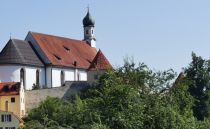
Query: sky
(160,33)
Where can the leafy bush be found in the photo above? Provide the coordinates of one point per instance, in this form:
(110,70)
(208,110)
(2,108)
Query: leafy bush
(130,97)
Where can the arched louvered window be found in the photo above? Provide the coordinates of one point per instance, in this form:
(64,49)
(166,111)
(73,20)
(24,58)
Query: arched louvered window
(62,78)
(37,77)
(22,76)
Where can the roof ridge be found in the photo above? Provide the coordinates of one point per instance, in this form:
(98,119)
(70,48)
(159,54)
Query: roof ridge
(52,35)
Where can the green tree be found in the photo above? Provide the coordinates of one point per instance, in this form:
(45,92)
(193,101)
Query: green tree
(129,97)
(198,75)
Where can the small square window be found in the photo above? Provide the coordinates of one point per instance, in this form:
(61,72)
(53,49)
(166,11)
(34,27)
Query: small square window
(96,77)
(12,100)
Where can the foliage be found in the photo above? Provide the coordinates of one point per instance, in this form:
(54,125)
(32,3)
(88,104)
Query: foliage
(198,75)
(35,87)
(129,97)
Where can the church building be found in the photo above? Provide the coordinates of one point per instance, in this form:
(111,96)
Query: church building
(49,61)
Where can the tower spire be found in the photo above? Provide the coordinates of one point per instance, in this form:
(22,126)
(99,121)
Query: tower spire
(88,24)
(88,8)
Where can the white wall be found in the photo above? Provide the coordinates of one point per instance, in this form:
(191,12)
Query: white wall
(49,80)
(82,75)
(11,73)
(89,37)
(69,74)
(30,77)
(56,79)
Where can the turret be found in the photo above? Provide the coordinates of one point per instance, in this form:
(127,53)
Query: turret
(88,24)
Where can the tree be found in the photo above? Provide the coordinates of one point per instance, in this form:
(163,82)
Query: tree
(199,83)
(130,97)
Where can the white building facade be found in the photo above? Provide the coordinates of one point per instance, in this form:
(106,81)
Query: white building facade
(49,61)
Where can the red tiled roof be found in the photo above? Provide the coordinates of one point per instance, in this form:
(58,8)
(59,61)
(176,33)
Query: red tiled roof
(100,62)
(9,88)
(64,51)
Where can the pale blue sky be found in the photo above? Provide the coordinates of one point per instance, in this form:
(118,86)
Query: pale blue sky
(160,33)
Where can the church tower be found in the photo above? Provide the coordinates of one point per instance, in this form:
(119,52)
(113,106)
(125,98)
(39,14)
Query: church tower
(88,24)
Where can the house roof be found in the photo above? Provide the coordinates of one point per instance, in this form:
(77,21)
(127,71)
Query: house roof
(9,88)
(100,62)
(62,51)
(19,52)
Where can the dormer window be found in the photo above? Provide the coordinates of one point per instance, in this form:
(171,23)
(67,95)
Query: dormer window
(6,88)
(75,63)
(57,57)
(66,48)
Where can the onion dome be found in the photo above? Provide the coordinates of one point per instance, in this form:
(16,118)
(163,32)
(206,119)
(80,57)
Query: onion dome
(88,20)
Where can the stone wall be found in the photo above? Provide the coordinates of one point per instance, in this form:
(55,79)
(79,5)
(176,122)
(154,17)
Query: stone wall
(34,97)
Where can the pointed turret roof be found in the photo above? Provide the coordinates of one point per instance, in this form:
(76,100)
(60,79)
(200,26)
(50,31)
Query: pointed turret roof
(19,52)
(100,62)
(88,20)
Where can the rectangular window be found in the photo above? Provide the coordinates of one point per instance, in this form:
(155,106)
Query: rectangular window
(9,127)
(86,31)
(2,118)
(96,77)
(1,127)
(12,100)
(6,118)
